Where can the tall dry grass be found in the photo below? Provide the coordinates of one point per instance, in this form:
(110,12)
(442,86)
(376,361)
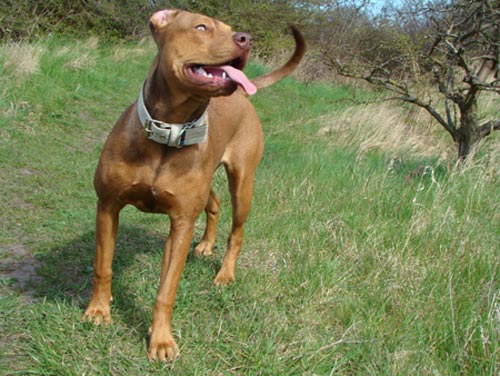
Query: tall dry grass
(398,128)
(387,127)
(21,59)
(83,56)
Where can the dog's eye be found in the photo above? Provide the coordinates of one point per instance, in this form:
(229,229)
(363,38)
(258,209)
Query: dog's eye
(201,27)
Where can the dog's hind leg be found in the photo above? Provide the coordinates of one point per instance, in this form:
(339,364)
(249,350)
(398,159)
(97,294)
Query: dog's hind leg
(241,187)
(212,212)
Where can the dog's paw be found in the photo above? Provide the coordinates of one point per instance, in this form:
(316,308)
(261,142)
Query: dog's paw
(222,279)
(203,249)
(97,314)
(163,350)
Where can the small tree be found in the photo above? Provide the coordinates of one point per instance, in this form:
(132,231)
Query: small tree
(452,47)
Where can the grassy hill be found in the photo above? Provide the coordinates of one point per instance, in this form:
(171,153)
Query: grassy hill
(367,251)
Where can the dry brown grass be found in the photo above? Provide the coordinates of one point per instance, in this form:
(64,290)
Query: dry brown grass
(22,59)
(83,56)
(388,127)
(143,48)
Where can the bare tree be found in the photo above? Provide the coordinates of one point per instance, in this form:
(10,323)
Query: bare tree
(452,47)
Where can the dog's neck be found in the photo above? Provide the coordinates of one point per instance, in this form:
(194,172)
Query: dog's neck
(171,107)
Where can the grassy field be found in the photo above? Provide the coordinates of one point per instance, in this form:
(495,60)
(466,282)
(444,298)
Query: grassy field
(367,251)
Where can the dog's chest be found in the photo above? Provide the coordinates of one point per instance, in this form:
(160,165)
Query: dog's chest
(152,177)
(160,191)
(147,197)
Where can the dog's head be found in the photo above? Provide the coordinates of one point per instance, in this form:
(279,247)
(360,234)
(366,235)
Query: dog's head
(201,54)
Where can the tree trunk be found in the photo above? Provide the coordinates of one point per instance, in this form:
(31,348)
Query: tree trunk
(469,132)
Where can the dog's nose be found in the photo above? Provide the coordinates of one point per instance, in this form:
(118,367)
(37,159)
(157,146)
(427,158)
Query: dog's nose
(244,40)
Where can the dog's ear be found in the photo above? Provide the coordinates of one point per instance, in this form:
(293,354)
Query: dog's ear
(160,19)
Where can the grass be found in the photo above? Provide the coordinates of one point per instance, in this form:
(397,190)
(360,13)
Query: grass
(363,255)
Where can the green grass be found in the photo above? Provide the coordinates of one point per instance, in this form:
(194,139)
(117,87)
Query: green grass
(352,264)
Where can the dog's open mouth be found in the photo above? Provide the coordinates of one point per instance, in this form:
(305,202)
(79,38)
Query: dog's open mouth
(220,76)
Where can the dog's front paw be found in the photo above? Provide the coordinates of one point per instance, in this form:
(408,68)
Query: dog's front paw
(163,350)
(223,279)
(203,249)
(97,313)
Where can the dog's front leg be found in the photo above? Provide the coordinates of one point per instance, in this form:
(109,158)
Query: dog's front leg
(98,309)
(162,345)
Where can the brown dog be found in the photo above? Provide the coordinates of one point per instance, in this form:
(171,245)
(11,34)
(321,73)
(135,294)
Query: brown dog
(192,115)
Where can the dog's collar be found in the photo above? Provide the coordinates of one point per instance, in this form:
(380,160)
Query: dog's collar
(175,134)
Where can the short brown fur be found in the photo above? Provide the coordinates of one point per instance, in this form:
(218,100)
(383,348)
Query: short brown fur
(155,178)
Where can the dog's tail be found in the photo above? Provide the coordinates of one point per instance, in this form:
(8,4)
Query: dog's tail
(280,73)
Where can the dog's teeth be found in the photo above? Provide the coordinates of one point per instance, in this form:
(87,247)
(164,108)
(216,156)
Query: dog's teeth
(224,75)
(201,71)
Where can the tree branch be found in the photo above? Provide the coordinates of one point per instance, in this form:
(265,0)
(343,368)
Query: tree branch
(489,127)
(432,111)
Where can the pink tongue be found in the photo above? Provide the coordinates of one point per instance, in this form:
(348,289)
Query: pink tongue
(239,77)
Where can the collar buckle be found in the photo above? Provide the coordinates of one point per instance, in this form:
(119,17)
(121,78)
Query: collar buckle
(174,135)
(149,123)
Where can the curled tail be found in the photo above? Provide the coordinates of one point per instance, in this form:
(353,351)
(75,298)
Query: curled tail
(280,73)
